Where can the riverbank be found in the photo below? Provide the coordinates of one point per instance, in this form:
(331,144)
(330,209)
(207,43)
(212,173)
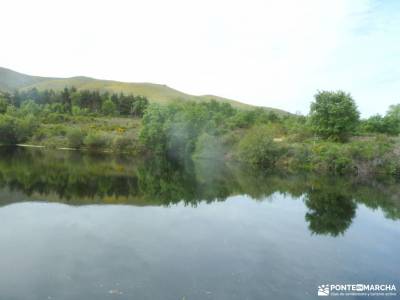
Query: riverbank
(264,147)
(364,156)
(265,140)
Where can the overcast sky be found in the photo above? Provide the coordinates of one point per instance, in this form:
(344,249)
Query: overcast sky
(270,53)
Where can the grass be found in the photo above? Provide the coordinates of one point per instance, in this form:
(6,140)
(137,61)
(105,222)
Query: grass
(10,80)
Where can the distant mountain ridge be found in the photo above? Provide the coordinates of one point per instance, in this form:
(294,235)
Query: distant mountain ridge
(11,80)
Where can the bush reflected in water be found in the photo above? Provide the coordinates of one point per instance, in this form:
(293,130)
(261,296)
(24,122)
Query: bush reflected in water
(77,178)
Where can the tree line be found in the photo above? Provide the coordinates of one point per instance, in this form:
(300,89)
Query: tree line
(76,102)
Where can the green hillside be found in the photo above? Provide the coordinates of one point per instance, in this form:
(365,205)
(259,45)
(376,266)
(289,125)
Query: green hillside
(11,80)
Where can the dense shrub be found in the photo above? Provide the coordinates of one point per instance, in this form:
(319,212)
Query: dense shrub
(96,141)
(175,129)
(297,158)
(328,157)
(388,124)
(55,118)
(358,157)
(258,147)
(16,130)
(25,128)
(75,138)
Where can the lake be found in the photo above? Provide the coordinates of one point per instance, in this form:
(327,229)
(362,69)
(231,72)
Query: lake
(79,226)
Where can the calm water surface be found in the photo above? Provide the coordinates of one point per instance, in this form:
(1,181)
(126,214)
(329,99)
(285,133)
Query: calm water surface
(75,226)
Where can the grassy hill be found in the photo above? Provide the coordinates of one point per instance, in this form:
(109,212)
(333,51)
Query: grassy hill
(11,80)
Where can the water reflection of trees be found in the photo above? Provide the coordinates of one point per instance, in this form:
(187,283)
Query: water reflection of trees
(75,178)
(330,211)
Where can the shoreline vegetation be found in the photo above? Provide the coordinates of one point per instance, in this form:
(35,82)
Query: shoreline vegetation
(331,139)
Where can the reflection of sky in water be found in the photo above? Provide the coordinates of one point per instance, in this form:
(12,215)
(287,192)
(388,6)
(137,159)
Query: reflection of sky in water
(237,249)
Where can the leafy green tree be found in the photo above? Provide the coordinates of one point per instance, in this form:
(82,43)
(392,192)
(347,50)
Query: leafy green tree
(183,128)
(394,111)
(242,119)
(393,119)
(374,124)
(30,107)
(125,104)
(8,133)
(3,105)
(108,108)
(153,134)
(66,100)
(77,111)
(139,106)
(379,124)
(389,124)
(16,130)
(56,107)
(12,111)
(334,115)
